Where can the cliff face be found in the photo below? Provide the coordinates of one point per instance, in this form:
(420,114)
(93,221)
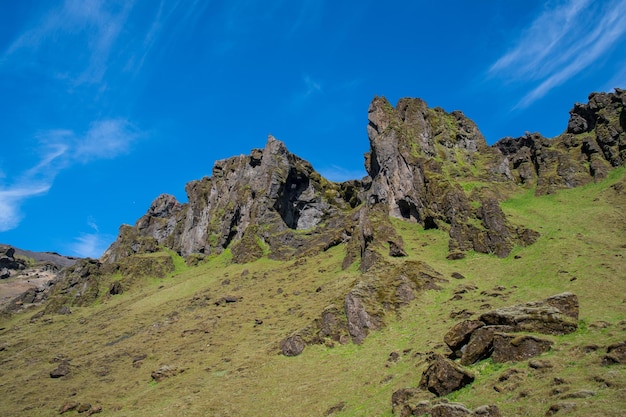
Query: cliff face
(425,165)
(255,205)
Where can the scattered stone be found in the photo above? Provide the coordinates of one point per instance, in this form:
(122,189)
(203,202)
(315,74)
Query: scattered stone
(488,411)
(583,393)
(292,346)
(539,364)
(600,324)
(407,402)
(449,410)
(62,370)
(164,372)
(560,408)
(393,357)
(456,255)
(116,288)
(64,310)
(335,408)
(616,354)
(94,410)
(396,250)
(68,406)
(590,348)
(83,408)
(510,347)
(228,299)
(443,376)
(461,314)
(457,275)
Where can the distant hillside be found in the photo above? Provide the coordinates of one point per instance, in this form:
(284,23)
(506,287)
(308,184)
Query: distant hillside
(51,257)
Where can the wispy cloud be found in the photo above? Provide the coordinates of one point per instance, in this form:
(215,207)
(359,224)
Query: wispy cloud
(59,149)
(90,245)
(340,174)
(312,86)
(11,200)
(565,39)
(90,27)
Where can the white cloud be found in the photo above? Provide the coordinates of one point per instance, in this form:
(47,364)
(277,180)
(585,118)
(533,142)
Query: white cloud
(90,245)
(312,86)
(104,140)
(60,149)
(90,28)
(10,202)
(564,40)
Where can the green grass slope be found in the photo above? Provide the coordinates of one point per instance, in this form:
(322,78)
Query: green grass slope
(224,356)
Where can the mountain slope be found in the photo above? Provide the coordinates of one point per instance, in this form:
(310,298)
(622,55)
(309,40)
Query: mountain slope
(199,307)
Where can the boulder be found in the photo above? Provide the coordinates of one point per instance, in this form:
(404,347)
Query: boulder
(460,333)
(561,408)
(407,402)
(449,410)
(116,288)
(488,411)
(480,345)
(443,376)
(555,315)
(62,370)
(513,348)
(164,372)
(292,345)
(359,320)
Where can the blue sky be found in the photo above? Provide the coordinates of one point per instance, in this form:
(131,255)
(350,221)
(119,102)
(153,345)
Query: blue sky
(104,105)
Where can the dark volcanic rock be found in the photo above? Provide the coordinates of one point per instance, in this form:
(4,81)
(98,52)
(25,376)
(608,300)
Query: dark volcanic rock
(449,410)
(595,140)
(480,344)
(62,370)
(164,372)
(616,354)
(555,315)
(292,346)
(512,348)
(359,320)
(443,376)
(252,204)
(460,333)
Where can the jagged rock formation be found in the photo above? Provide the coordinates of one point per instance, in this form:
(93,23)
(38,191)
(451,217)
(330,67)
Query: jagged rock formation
(425,166)
(254,205)
(594,142)
(419,159)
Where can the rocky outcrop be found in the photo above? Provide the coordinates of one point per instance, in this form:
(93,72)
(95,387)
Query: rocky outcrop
(594,142)
(253,205)
(418,161)
(490,335)
(554,315)
(444,376)
(425,165)
(408,402)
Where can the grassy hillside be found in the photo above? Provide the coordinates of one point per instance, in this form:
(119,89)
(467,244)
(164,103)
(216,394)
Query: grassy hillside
(224,356)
